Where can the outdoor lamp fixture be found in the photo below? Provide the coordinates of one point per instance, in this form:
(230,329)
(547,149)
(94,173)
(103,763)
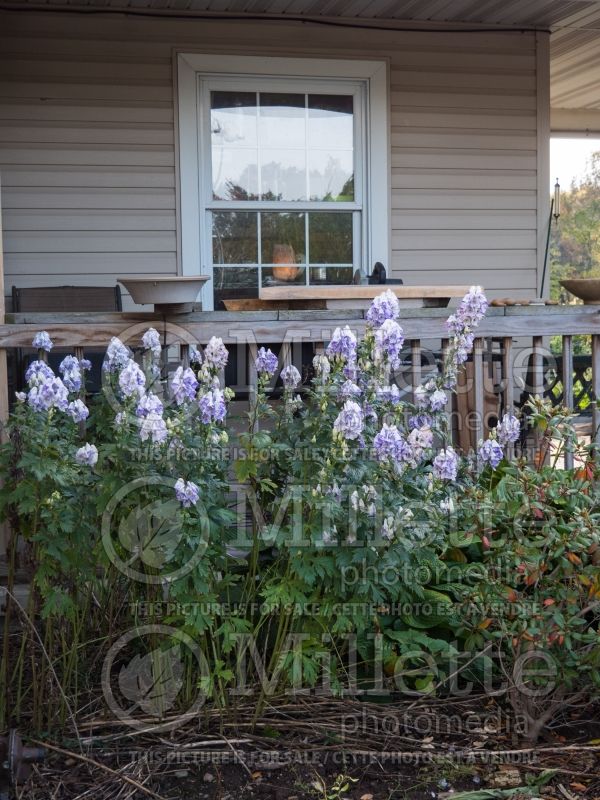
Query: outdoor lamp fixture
(556,201)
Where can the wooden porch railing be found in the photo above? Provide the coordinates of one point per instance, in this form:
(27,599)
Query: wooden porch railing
(513,342)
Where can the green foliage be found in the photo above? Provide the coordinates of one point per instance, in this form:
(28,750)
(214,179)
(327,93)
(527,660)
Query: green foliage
(575,238)
(333,570)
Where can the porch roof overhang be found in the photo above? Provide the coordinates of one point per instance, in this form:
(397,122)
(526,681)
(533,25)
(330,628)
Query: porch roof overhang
(574,26)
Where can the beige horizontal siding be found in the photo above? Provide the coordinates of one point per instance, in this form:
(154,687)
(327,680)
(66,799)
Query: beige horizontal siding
(87,145)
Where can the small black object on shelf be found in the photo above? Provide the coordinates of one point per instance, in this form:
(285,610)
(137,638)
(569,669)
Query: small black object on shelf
(379,276)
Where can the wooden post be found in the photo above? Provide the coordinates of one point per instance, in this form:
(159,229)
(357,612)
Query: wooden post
(509,385)
(567,380)
(4,527)
(415,365)
(537,384)
(3,366)
(478,389)
(596,392)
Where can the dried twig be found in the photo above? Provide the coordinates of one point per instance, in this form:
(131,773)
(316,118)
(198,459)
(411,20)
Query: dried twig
(99,765)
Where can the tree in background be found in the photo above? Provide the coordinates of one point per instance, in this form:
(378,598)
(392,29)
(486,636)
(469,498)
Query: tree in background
(575,240)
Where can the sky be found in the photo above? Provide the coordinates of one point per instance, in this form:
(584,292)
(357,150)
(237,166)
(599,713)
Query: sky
(568,159)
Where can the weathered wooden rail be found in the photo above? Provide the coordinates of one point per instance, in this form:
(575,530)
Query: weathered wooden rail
(514,339)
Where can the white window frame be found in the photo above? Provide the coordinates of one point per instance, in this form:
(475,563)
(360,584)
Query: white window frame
(193,68)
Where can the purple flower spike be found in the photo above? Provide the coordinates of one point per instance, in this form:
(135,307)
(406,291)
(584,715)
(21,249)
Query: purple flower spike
(445,465)
(87,455)
(342,344)
(508,430)
(186,492)
(266,362)
(183,385)
(383,307)
(491,453)
(290,376)
(43,341)
(216,354)
(350,421)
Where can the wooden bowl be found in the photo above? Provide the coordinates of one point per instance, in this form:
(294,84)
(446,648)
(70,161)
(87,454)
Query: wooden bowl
(586,289)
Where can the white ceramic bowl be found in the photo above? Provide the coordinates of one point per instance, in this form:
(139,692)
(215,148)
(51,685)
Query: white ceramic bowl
(169,293)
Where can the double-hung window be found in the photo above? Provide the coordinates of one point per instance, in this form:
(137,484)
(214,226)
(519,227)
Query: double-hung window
(278,171)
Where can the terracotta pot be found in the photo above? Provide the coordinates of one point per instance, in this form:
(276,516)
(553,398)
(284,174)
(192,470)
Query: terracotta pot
(283,256)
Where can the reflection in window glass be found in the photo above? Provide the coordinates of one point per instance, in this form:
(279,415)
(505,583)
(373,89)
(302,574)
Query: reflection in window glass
(328,275)
(235,237)
(330,119)
(236,278)
(331,177)
(279,276)
(330,238)
(235,174)
(281,120)
(282,238)
(234,144)
(331,147)
(283,175)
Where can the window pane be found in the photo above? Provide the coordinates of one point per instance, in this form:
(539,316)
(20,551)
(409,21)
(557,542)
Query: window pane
(330,147)
(234,283)
(330,238)
(236,278)
(331,175)
(280,276)
(282,239)
(282,120)
(331,119)
(233,118)
(235,237)
(234,145)
(282,136)
(235,174)
(283,175)
(326,275)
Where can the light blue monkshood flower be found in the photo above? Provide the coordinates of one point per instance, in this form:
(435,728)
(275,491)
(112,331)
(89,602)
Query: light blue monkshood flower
(149,404)
(266,362)
(151,341)
(343,344)
(385,306)
(508,430)
(390,445)
(183,385)
(438,400)
(38,372)
(389,340)
(70,369)
(153,427)
(50,393)
(290,377)
(349,389)
(213,407)
(42,341)
(420,421)
(389,394)
(445,465)
(186,492)
(87,455)
(131,379)
(490,452)
(350,421)
(215,353)
(117,355)
(78,411)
